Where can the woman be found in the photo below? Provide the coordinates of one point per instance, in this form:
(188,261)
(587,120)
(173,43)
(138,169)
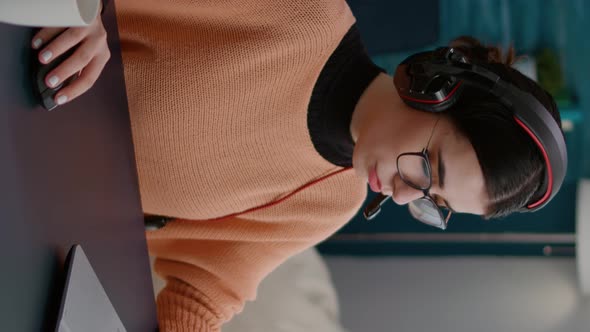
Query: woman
(257,126)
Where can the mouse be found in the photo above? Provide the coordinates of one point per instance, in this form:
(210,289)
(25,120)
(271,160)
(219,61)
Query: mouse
(45,94)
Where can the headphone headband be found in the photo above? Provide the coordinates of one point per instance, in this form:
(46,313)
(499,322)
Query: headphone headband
(433,81)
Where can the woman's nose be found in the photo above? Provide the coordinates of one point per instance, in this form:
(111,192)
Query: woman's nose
(403,193)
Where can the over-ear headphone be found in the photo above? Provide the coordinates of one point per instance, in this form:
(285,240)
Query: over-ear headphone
(433,82)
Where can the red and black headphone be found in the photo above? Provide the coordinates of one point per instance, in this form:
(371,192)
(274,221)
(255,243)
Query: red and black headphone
(433,82)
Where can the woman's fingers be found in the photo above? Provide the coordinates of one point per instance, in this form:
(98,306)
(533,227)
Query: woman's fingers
(87,78)
(65,41)
(89,55)
(85,53)
(45,35)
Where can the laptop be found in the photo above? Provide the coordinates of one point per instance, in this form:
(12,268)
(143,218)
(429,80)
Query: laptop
(85,305)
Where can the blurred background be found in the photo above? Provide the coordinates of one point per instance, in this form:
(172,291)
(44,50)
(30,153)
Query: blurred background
(527,272)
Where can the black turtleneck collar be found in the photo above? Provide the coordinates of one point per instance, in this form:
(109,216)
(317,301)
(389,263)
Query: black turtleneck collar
(342,81)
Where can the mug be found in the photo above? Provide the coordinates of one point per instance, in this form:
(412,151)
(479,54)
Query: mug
(49,13)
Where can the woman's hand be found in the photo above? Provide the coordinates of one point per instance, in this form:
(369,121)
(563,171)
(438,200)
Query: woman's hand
(89,58)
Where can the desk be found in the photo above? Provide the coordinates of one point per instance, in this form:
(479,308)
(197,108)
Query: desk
(68,176)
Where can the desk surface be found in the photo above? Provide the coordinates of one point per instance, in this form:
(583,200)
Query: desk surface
(68,176)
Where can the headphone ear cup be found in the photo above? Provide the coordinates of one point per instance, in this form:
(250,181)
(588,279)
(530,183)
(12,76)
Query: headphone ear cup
(435,107)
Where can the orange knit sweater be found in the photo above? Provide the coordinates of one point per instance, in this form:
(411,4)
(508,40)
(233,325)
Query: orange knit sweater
(218,96)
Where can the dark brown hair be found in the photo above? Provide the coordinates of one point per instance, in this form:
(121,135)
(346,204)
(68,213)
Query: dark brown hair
(511,163)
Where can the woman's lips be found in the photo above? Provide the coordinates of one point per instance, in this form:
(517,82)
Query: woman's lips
(374,182)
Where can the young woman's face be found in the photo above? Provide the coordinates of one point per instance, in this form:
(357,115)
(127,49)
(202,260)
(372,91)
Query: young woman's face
(457,179)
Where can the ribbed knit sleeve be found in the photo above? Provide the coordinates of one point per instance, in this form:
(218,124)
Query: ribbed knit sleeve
(213,266)
(182,308)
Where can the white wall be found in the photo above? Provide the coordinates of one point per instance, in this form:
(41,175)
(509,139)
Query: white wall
(482,294)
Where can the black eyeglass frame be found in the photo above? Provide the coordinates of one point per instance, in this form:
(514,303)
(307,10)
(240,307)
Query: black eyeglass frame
(426,190)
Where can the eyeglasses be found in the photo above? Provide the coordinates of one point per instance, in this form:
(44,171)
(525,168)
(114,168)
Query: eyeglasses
(415,170)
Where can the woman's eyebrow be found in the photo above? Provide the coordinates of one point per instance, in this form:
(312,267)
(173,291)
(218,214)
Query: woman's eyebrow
(441,171)
(441,178)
